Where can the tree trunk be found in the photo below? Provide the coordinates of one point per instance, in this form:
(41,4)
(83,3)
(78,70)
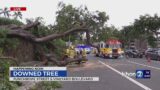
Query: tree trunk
(23,33)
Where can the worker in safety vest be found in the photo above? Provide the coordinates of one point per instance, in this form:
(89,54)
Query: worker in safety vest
(66,52)
(72,52)
(84,53)
(95,51)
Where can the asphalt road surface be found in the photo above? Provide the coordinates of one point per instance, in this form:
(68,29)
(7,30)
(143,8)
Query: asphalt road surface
(110,75)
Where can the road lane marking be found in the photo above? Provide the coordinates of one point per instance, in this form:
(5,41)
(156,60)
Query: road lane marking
(130,79)
(144,65)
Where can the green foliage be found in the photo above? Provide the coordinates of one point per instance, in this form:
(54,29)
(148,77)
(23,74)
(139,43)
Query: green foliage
(144,28)
(147,23)
(69,17)
(152,41)
(7,21)
(1,51)
(4,41)
(127,34)
(5,84)
(50,85)
(60,44)
(41,31)
(108,33)
(7,42)
(3,32)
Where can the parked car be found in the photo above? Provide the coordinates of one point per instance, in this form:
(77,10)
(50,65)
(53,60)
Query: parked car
(149,49)
(153,54)
(133,53)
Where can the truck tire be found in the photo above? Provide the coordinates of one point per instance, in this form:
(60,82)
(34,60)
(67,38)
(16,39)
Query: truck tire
(115,57)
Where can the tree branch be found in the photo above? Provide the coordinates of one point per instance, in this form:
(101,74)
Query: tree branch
(88,41)
(23,27)
(55,36)
(63,62)
(30,25)
(28,36)
(22,33)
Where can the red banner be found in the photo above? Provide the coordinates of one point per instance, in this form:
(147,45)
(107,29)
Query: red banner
(18,8)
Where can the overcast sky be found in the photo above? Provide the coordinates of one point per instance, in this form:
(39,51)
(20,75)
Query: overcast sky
(121,12)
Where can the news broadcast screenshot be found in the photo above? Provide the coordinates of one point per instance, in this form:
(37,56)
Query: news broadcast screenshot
(79,45)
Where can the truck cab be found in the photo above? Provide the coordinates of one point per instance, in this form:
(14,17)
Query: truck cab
(111,49)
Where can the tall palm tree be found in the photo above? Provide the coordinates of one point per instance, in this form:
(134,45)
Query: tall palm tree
(5,12)
(17,14)
(1,11)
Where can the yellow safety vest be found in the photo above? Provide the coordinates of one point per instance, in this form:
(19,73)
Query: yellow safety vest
(84,53)
(72,53)
(67,52)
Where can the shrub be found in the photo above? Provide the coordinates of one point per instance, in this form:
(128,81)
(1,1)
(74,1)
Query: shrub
(5,84)
(7,21)
(50,85)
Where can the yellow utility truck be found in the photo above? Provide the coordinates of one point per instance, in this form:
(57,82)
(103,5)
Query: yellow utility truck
(112,48)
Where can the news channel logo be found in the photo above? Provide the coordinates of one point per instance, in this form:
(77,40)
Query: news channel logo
(139,74)
(143,74)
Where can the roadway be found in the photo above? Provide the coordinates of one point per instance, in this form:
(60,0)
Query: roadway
(110,75)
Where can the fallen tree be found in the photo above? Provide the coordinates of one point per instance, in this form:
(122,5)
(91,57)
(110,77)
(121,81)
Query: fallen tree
(24,33)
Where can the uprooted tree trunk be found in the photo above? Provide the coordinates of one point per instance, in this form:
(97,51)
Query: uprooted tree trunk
(23,33)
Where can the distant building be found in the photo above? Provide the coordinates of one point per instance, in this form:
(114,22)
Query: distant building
(139,44)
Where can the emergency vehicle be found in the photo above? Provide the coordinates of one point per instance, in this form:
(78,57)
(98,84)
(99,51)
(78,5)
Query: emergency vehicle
(82,47)
(112,48)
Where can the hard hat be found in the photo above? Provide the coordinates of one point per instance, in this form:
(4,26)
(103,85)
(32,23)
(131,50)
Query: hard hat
(72,47)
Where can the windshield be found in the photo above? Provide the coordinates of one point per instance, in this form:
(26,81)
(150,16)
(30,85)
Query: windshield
(113,45)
